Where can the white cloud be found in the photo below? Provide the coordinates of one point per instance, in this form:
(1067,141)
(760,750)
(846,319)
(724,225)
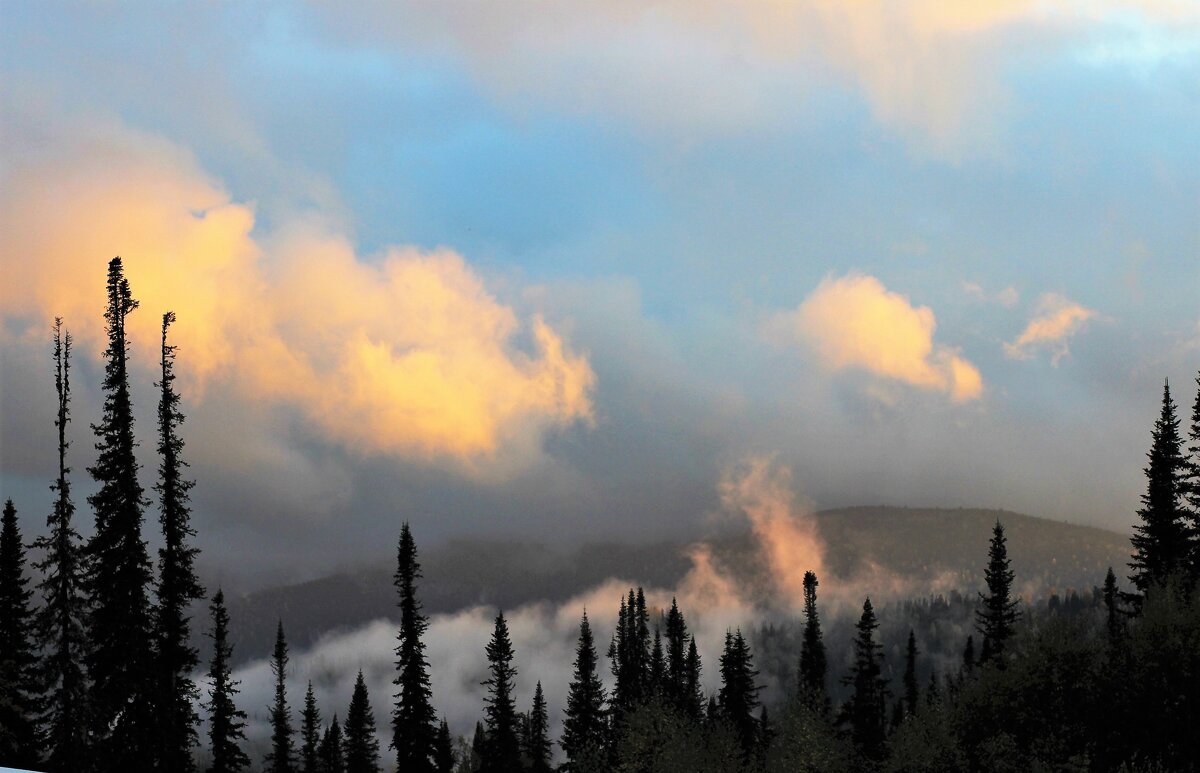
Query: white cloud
(1058,319)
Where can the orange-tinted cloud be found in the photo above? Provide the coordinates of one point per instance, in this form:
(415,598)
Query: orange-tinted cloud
(1058,319)
(855,322)
(403,353)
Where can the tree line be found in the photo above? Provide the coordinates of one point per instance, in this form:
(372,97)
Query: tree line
(100,676)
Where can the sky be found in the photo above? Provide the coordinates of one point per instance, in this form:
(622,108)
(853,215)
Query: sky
(549,270)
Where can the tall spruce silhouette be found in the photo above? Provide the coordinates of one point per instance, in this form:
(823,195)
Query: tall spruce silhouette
(361,747)
(226,722)
(813,659)
(694,692)
(310,733)
(866,710)
(333,756)
(912,690)
(443,750)
(1191,487)
(630,653)
(997,619)
(282,757)
(537,747)
(178,585)
(676,652)
(738,697)
(413,719)
(1161,544)
(20,744)
(121,655)
(1113,624)
(502,748)
(584,726)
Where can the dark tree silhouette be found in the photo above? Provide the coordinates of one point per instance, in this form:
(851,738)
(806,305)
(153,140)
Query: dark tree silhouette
(478,747)
(997,619)
(584,727)
(1191,481)
(443,750)
(1113,624)
(537,747)
(1161,545)
(911,689)
(657,678)
(866,711)
(310,733)
(413,718)
(968,656)
(361,746)
(120,659)
(813,660)
(226,721)
(738,697)
(333,757)
(61,621)
(20,745)
(502,748)
(178,586)
(694,692)
(282,757)
(676,652)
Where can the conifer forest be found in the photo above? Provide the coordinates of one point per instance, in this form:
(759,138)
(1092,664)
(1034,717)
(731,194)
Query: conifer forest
(101,670)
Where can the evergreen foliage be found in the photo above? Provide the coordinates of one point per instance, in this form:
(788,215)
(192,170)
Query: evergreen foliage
(813,661)
(866,711)
(738,697)
(537,745)
(413,718)
(911,689)
(996,619)
(502,747)
(226,725)
(282,757)
(584,727)
(361,746)
(310,733)
(443,749)
(333,757)
(20,744)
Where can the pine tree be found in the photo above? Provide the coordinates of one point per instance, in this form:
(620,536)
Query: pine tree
(20,745)
(537,747)
(1191,484)
(413,718)
(738,696)
(333,758)
(443,750)
(998,617)
(310,733)
(694,692)
(630,653)
(866,711)
(362,747)
(813,660)
(584,726)
(502,750)
(1160,542)
(676,652)
(61,621)
(120,660)
(281,758)
(911,690)
(226,721)
(478,747)
(178,586)
(656,681)
(1112,609)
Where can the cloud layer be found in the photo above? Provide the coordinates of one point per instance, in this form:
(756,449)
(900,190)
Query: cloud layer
(1058,318)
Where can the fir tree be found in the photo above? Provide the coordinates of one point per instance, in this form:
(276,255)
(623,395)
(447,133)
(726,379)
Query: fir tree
(584,727)
(502,750)
(413,718)
(226,721)
(310,733)
(694,692)
(968,656)
(120,659)
(738,696)
(656,681)
(478,747)
(1191,484)
(361,747)
(178,586)
(1112,609)
(61,621)
(537,747)
(676,652)
(866,711)
(1160,542)
(281,758)
(911,690)
(20,745)
(996,620)
(443,750)
(813,661)
(333,758)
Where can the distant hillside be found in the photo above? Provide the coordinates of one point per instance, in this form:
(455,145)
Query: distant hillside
(917,543)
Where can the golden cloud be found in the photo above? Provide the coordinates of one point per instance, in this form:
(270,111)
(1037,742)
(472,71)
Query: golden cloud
(1058,319)
(402,353)
(855,322)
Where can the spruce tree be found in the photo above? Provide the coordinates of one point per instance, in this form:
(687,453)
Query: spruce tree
(584,727)
(630,653)
(1161,544)
(656,681)
(361,746)
(478,747)
(310,733)
(333,758)
(178,586)
(866,711)
(443,750)
(226,727)
(20,745)
(694,692)
(537,747)
(1112,609)
(61,621)
(968,656)
(281,758)
(1191,484)
(413,718)
(738,696)
(502,749)
(911,689)
(813,660)
(120,659)
(997,619)
(676,652)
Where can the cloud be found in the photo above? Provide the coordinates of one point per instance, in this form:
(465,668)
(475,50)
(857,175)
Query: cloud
(855,322)
(1008,297)
(1058,318)
(406,352)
